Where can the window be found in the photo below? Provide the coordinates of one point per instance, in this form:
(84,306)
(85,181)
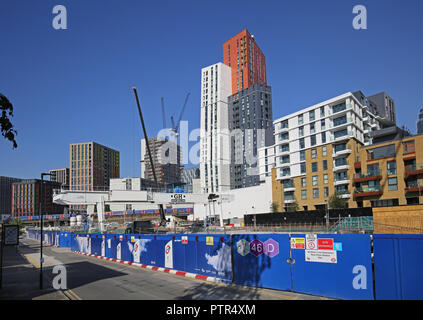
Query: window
(325,179)
(373,170)
(324,151)
(312,128)
(322,112)
(313,140)
(381,152)
(283,124)
(392,167)
(392,184)
(325,164)
(311,115)
(303,167)
(323,124)
(323,137)
(302,155)
(301,131)
(302,143)
(300,119)
(340,162)
(339,121)
(326,191)
(339,147)
(314,167)
(303,182)
(313,153)
(314,180)
(284,159)
(284,148)
(283,136)
(303,194)
(339,107)
(340,133)
(341,176)
(285,172)
(315,193)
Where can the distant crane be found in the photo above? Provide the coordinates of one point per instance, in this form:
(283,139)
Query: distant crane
(175,127)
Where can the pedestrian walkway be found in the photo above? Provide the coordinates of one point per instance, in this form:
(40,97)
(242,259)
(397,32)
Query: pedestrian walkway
(21,278)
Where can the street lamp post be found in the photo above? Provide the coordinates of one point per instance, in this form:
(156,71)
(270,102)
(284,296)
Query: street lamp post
(41,226)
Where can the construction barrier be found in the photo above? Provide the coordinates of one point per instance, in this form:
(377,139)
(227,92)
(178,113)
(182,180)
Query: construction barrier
(398,259)
(330,265)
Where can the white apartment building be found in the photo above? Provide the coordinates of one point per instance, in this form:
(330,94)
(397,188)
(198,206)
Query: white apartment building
(332,121)
(216,86)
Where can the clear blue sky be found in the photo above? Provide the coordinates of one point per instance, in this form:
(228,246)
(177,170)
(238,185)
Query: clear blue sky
(74,85)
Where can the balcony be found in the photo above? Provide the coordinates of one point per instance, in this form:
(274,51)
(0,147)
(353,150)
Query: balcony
(341,153)
(409,148)
(341,168)
(289,200)
(342,182)
(414,187)
(367,192)
(340,110)
(413,169)
(373,175)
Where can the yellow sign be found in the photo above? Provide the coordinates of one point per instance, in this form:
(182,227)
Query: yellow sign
(132,239)
(209,241)
(297,243)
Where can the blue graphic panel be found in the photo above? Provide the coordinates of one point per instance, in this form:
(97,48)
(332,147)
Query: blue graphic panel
(260,260)
(345,274)
(398,259)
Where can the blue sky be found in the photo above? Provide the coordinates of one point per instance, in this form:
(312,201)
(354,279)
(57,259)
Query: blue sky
(74,85)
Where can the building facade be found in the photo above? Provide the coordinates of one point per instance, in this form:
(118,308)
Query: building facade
(61,176)
(389,173)
(251,127)
(214,134)
(166,155)
(247,62)
(6,194)
(92,165)
(420,122)
(315,151)
(26,198)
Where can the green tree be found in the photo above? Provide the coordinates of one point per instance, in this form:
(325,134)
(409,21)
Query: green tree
(17,222)
(293,207)
(6,127)
(336,202)
(274,207)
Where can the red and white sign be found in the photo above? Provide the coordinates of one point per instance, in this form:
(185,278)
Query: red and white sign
(184,239)
(325,244)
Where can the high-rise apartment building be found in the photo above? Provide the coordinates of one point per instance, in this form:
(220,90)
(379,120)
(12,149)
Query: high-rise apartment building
(247,62)
(316,148)
(236,116)
(61,176)
(166,155)
(26,198)
(420,122)
(251,126)
(92,166)
(6,194)
(214,135)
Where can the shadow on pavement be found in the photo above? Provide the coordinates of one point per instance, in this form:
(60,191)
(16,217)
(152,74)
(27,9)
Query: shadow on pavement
(21,280)
(204,291)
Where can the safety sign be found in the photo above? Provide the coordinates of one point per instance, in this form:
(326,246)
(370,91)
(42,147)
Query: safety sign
(311,241)
(184,240)
(325,244)
(326,256)
(209,241)
(297,243)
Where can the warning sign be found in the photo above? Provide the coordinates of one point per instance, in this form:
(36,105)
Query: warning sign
(297,243)
(325,256)
(209,241)
(311,241)
(184,239)
(325,244)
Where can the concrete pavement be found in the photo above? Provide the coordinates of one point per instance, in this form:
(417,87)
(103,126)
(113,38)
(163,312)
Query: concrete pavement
(88,278)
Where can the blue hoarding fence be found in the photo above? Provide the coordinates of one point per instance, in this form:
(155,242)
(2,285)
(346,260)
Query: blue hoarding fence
(331,265)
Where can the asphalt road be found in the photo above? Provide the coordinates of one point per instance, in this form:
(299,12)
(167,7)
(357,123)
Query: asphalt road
(89,278)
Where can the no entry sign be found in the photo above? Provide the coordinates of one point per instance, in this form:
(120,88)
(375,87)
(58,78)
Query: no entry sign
(325,244)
